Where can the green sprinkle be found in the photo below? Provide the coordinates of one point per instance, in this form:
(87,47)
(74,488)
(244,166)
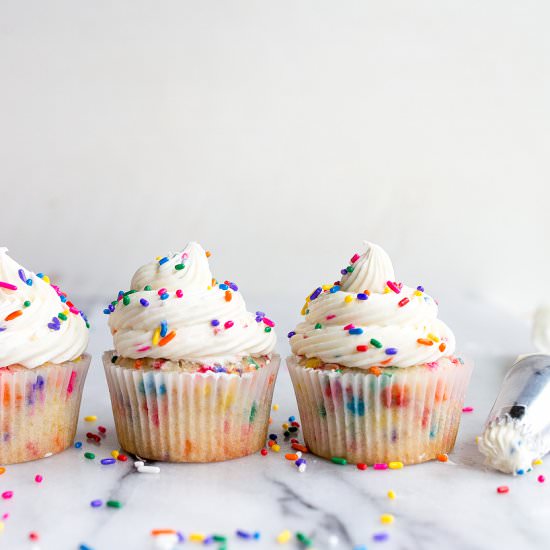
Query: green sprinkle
(114,504)
(178,267)
(91,456)
(318,325)
(147,287)
(128,292)
(26,303)
(87,324)
(126,300)
(219,538)
(338,460)
(375,343)
(349,269)
(267,329)
(253,412)
(304,539)
(62,316)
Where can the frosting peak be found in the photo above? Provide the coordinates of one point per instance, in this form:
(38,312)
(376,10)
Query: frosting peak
(38,324)
(372,270)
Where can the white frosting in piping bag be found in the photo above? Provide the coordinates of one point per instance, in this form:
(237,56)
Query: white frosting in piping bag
(183,315)
(369,319)
(37,323)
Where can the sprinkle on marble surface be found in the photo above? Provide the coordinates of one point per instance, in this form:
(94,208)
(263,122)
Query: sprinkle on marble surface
(503,489)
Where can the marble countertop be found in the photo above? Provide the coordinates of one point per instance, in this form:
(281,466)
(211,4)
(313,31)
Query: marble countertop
(451,505)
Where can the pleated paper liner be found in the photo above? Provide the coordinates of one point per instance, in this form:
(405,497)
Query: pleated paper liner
(191,417)
(403,414)
(39,409)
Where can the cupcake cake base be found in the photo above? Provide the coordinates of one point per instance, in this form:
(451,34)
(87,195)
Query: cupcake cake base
(382,414)
(183,416)
(39,409)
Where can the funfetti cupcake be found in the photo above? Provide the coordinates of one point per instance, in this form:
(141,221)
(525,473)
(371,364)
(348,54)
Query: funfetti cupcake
(43,336)
(374,369)
(192,375)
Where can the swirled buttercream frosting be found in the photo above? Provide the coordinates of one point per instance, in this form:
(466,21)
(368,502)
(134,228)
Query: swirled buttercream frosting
(368,319)
(38,323)
(176,311)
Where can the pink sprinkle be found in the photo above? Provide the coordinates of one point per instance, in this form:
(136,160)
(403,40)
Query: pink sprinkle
(7,495)
(329,317)
(380,466)
(179,293)
(70,386)
(38,478)
(354,258)
(74,310)
(348,327)
(228,324)
(5,516)
(268,322)
(393,287)
(467,409)
(9,286)
(161,291)
(144,348)
(541,479)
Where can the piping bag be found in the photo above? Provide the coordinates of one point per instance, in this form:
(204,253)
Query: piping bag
(517,431)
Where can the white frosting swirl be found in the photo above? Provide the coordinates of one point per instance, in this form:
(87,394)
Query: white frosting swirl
(37,323)
(203,321)
(369,320)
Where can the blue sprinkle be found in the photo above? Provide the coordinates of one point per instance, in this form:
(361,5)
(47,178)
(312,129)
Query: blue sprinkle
(214,322)
(291,334)
(78,444)
(85,547)
(360,547)
(300,461)
(334,289)
(120,293)
(143,302)
(291,418)
(164,296)
(40,275)
(163,260)
(520,472)
(362,296)
(391,351)
(107,461)
(273,437)
(355,330)
(243,534)
(223,286)
(63,298)
(257,535)
(163,329)
(106,311)
(29,282)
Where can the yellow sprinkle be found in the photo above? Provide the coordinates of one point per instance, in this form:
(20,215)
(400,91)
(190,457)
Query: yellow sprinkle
(537,462)
(433,337)
(158,258)
(304,309)
(348,299)
(313,363)
(1,526)
(275,407)
(386,290)
(326,287)
(417,293)
(46,279)
(477,438)
(156,337)
(114,454)
(284,536)
(276,448)
(386,518)
(197,537)
(391,494)
(308,299)
(90,418)
(395,465)
(208,288)
(285,426)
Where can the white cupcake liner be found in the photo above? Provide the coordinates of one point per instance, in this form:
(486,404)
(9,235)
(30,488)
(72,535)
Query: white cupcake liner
(39,409)
(190,417)
(408,415)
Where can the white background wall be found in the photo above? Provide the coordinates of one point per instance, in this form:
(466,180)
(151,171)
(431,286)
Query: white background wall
(280,135)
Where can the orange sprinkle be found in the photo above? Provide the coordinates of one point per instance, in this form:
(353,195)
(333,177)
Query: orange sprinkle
(367,292)
(2,470)
(208,253)
(425,342)
(442,458)
(13,315)
(291,456)
(169,337)
(377,371)
(386,361)
(156,532)
(138,363)
(442,346)
(228,296)
(270,443)
(301,448)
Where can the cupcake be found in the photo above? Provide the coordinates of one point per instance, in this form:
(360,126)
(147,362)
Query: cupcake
(374,369)
(43,336)
(192,375)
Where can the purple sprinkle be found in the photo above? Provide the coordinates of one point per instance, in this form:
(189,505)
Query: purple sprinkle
(380,537)
(243,534)
(111,307)
(300,461)
(107,461)
(233,286)
(53,327)
(144,302)
(21,274)
(96,503)
(362,296)
(260,314)
(208,540)
(258,319)
(214,322)
(391,351)
(2,329)
(316,293)
(181,538)
(344,271)
(420,287)
(291,334)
